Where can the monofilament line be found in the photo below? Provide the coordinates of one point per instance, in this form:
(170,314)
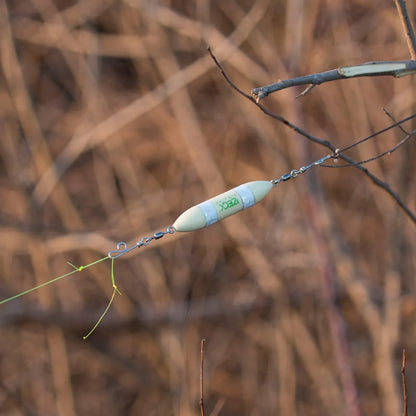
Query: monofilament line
(199,216)
(76,270)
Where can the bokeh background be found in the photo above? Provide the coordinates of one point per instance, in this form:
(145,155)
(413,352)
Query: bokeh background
(114,120)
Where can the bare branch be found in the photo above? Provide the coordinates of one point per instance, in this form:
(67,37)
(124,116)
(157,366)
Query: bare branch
(377,133)
(394,120)
(384,185)
(325,143)
(306,90)
(201,380)
(404,384)
(378,68)
(407,26)
(267,112)
(380,155)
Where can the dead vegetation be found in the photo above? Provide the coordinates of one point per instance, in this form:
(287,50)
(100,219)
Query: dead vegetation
(114,120)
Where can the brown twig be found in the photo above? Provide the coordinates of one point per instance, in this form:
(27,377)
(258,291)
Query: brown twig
(201,379)
(404,384)
(407,26)
(306,90)
(326,143)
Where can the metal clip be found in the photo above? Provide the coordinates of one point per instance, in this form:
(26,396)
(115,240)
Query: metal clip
(123,249)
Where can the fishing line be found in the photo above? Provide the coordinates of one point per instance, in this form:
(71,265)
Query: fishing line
(215,209)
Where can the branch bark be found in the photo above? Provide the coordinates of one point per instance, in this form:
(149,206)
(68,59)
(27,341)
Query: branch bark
(407,26)
(378,68)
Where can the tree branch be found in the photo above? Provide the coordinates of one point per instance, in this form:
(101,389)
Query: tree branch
(407,26)
(325,143)
(201,380)
(378,68)
(404,383)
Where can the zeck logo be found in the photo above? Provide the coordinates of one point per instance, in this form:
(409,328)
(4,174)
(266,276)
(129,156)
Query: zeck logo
(232,202)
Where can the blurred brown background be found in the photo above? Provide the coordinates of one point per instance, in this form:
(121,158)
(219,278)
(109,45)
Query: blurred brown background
(114,120)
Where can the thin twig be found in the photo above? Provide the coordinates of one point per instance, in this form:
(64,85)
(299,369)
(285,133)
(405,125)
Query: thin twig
(407,26)
(394,120)
(404,384)
(218,406)
(369,69)
(306,90)
(377,133)
(380,155)
(326,143)
(267,112)
(201,379)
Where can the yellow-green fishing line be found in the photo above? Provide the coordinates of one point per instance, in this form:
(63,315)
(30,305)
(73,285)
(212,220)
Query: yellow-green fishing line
(115,290)
(77,269)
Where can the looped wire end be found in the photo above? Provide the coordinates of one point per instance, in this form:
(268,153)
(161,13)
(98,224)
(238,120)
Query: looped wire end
(122,247)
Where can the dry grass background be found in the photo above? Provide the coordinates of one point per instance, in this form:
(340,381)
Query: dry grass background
(114,120)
